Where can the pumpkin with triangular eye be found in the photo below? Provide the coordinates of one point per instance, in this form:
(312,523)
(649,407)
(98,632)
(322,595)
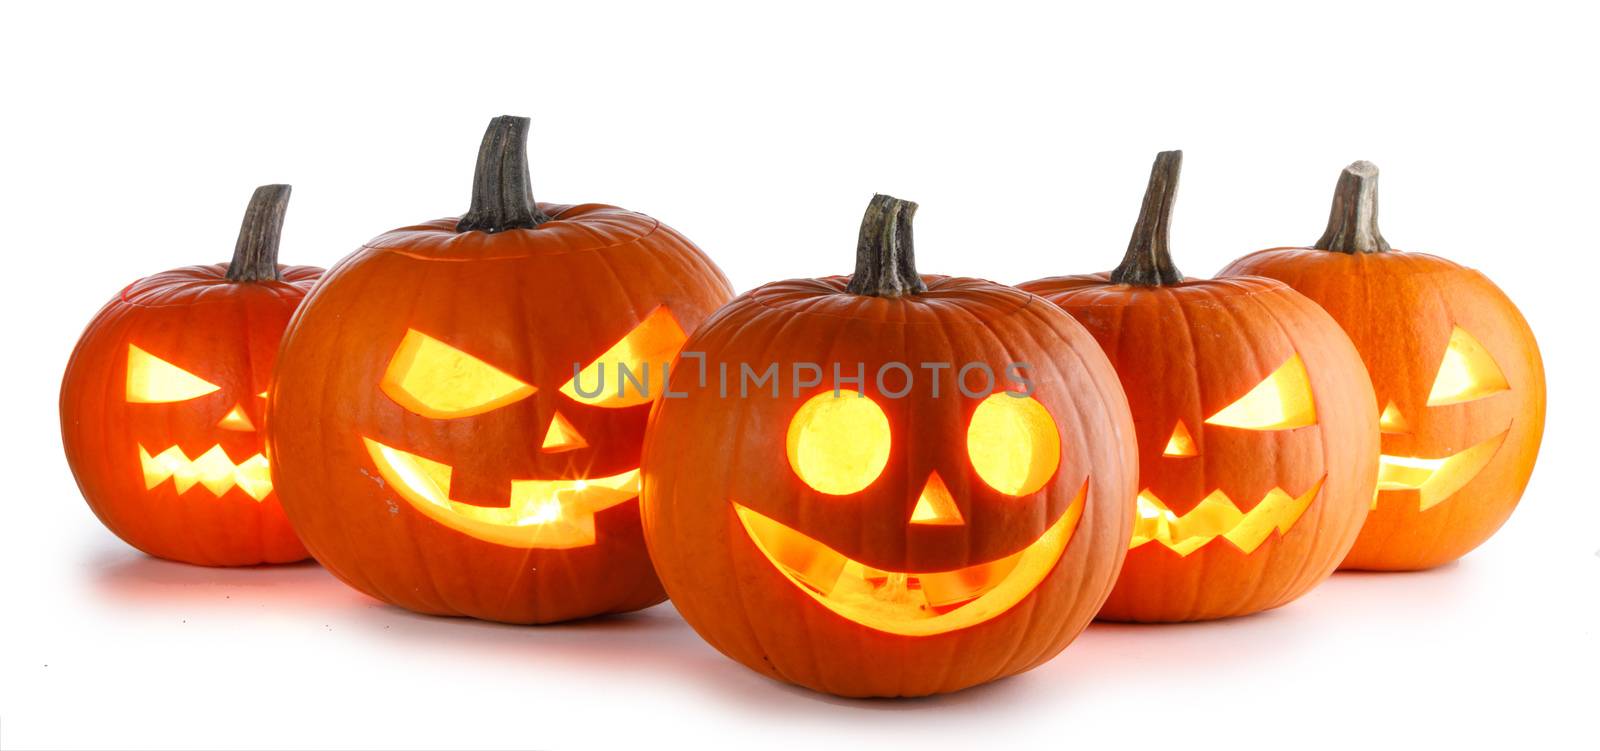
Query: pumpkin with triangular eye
(1457,374)
(162,403)
(434,441)
(889,484)
(1256,424)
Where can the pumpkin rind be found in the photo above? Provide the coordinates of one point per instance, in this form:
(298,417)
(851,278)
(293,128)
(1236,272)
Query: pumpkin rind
(530,301)
(1184,349)
(1399,309)
(223,328)
(707,455)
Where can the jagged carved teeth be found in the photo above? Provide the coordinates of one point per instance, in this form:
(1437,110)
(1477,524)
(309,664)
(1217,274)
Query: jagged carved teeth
(1435,479)
(212,469)
(909,603)
(541,513)
(1217,516)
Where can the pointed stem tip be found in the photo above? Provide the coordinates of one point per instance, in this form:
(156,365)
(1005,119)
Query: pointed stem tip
(1353,222)
(255,254)
(885,263)
(1148,262)
(502,192)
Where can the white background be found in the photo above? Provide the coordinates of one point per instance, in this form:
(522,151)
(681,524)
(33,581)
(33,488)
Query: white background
(133,135)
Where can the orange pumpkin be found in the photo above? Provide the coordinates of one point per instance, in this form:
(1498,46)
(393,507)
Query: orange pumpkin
(162,403)
(1454,365)
(926,488)
(1256,423)
(433,442)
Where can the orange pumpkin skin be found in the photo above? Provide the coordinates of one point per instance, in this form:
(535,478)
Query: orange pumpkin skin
(1455,368)
(224,332)
(706,453)
(531,302)
(1252,488)
(1400,308)
(1184,352)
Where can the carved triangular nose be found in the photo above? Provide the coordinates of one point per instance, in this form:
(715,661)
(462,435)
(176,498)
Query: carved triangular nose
(1181,443)
(236,419)
(562,436)
(1391,421)
(936,505)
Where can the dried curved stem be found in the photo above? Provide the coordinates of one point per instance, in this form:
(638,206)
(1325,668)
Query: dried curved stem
(502,192)
(885,263)
(1148,262)
(1353,222)
(255,254)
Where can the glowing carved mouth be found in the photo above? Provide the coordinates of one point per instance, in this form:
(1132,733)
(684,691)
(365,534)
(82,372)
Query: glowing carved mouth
(1434,479)
(553,514)
(910,603)
(1217,516)
(212,469)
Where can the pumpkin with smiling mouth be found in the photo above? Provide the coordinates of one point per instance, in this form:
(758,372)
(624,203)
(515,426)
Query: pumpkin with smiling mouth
(855,533)
(450,428)
(1456,370)
(1257,428)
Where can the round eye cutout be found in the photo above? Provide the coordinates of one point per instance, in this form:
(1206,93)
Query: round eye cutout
(838,444)
(1013,444)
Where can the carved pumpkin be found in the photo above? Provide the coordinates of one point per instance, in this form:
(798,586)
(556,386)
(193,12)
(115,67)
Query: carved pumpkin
(891,512)
(1455,368)
(434,446)
(1256,424)
(162,402)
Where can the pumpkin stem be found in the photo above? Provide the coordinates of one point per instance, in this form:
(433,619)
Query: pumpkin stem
(1148,262)
(502,194)
(255,254)
(1353,223)
(885,263)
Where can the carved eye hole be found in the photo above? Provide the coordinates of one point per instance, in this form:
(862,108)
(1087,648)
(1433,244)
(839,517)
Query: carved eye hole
(152,380)
(434,379)
(621,376)
(839,444)
(1013,444)
(1279,402)
(1467,373)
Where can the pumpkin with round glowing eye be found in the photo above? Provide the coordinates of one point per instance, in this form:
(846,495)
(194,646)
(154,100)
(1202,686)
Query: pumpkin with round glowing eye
(1455,368)
(459,407)
(911,484)
(1257,428)
(162,402)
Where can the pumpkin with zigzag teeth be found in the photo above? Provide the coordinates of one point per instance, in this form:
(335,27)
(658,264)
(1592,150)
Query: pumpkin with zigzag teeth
(162,403)
(1256,422)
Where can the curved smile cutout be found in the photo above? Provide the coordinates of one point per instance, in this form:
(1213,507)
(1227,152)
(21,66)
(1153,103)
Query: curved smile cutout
(909,603)
(1435,480)
(549,514)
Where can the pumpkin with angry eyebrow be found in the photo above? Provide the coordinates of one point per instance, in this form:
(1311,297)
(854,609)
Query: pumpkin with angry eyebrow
(436,446)
(1257,428)
(162,403)
(1455,367)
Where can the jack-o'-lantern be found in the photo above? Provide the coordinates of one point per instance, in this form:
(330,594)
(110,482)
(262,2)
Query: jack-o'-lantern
(1456,370)
(889,484)
(162,402)
(1257,428)
(433,441)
